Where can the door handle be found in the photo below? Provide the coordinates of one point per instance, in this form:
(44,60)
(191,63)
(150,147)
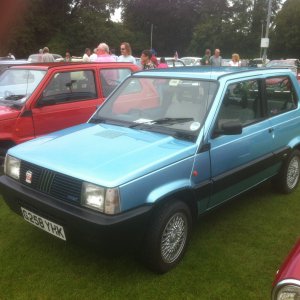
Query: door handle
(271,130)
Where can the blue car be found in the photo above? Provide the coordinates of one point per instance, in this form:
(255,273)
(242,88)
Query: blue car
(167,146)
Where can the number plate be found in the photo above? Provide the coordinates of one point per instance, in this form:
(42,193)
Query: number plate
(44,224)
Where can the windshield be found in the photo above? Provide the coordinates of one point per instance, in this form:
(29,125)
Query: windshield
(16,85)
(167,105)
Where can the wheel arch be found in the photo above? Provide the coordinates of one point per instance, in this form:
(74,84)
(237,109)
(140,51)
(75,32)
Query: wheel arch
(185,195)
(295,143)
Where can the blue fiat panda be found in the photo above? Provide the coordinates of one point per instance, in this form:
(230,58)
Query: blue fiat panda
(167,146)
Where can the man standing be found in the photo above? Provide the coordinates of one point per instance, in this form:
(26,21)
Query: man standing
(47,57)
(86,55)
(103,53)
(205,60)
(216,59)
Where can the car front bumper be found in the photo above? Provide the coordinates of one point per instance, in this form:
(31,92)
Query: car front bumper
(76,220)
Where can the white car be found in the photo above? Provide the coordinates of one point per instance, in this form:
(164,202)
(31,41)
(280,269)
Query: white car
(33,58)
(191,60)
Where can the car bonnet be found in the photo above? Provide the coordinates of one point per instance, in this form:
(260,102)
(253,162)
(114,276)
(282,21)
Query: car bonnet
(107,155)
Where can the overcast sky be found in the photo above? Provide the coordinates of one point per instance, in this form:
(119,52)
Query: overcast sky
(116,17)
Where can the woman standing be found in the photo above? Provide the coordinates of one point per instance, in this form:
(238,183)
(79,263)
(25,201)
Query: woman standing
(126,54)
(235,60)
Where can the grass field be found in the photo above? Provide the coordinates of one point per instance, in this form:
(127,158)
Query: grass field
(234,254)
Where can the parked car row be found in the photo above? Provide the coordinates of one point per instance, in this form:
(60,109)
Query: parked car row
(165,147)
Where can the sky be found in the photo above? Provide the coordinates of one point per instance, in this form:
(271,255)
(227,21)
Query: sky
(116,17)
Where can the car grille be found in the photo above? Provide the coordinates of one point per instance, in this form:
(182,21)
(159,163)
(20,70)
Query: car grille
(57,185)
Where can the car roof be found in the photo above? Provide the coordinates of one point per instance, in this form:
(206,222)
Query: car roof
(208,73)
(190,57)
(50,65)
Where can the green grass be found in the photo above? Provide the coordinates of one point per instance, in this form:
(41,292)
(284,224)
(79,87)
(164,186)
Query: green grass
(234,254)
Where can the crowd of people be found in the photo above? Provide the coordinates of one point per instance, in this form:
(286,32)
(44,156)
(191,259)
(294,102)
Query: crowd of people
(216,59)
(103,53)
(148,59)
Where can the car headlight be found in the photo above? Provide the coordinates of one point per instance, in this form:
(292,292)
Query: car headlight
(290,291)
(12,167)
(105,200)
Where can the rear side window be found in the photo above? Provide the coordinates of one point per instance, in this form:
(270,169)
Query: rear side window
(111,78)
(69,86)
(280,95)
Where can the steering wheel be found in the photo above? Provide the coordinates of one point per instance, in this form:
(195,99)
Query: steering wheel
(7,94)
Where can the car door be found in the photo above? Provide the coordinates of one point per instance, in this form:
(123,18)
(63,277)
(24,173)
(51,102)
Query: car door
(69,98)
(283,110)
(240,161)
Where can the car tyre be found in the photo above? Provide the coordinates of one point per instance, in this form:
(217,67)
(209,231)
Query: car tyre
(288,178)
(168,236)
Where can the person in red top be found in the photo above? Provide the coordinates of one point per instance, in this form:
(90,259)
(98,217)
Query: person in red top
(146,61)
(162,63)
(154,58)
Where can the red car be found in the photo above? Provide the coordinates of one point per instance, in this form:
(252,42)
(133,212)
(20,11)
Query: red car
(287,281)
(36,99)
(291,63)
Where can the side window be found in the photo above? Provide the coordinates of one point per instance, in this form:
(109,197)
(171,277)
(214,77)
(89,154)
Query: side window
(111,78)
(280,95)
(241,103)
(68,87)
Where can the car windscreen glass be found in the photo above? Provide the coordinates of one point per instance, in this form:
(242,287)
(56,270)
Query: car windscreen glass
(16,85)
(159,104)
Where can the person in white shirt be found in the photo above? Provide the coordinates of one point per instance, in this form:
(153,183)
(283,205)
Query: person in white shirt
(86,55)
(235,60)
(126,54)
(47,57)
(93,57)
(11,56)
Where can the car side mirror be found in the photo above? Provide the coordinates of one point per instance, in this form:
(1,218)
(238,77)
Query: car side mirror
(230,127)
(44,101)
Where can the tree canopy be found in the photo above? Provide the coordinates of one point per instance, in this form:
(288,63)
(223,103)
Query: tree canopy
(285,38)
(188,27)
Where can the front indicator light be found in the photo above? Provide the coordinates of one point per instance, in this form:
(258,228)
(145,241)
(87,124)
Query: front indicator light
(101,199)
(12,167)
(112,201)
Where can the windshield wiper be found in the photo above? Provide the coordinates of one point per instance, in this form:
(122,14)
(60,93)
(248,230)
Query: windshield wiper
(14,97)
(163,121)
(96,120)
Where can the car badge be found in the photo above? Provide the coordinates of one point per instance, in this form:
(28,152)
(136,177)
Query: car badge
(28,176)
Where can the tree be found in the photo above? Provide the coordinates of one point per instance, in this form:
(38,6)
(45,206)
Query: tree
(285,39)
(172,23)
(58,24)
(235,28)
